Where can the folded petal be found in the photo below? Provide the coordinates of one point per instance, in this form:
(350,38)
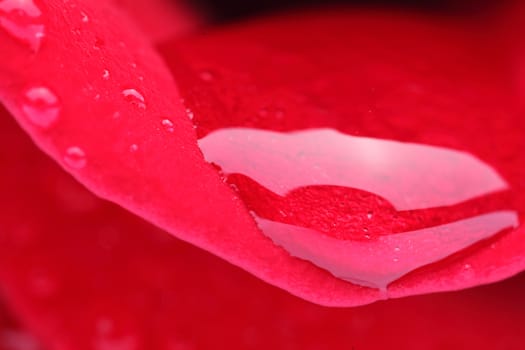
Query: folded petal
(118,125)
(418,80)
(82,273)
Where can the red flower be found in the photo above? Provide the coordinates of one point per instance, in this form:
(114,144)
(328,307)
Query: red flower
(435,97)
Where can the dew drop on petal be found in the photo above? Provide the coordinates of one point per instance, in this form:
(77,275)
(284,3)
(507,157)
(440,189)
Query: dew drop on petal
(133,148)
(22,20)
(134,97)
(24,7)
(75,157)
(105,74)
(189,113)
(168,124)
(41,106)
(85,17)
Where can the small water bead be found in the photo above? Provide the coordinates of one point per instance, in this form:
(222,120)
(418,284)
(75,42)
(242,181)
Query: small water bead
(41,106)
(189,113)
(133,148)
(75,157)
(85,17)
(134,97)
(168,124)
(105,74)
(22,19)
(24,7)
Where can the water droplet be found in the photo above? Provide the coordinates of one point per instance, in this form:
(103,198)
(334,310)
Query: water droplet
(134,97)
(85,18)
(75,157)
(189,113)
(415,191)
(168,124)
(133,148)
(133,65)
(22,19)
(116,115)
(97,97)
(206,76)
(105,74)
(467,266)
(41,106)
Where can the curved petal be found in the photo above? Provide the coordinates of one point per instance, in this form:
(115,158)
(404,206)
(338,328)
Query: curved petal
(117,124)
(83,274)
(372,75)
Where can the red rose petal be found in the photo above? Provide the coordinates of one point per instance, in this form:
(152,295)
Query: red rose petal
(83,273)
(371,75)
(116,124)
(123,133)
